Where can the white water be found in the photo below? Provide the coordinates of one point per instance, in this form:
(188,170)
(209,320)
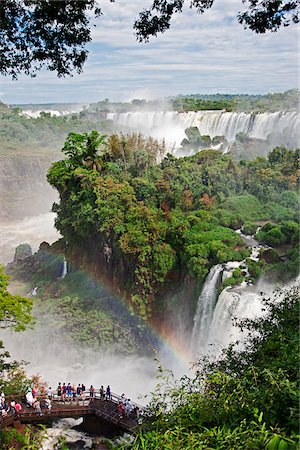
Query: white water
(31,230)
(238,303)
(63,428)
(65,269)
(213,322)
(205,309)
(171,125)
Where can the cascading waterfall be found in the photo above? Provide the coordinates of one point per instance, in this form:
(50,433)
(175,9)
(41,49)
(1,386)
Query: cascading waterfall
(65,269)
(213,326)
(205,309)
(171,125)
(240,303)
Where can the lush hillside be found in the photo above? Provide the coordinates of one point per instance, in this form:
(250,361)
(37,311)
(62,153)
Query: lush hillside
(147,228)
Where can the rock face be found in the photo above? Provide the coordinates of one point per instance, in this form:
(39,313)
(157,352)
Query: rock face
(24,190)
(23,251)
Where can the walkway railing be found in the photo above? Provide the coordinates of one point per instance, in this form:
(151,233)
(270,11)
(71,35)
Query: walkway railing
(75,407)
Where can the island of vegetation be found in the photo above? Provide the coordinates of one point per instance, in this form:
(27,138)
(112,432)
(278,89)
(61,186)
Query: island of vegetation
(149,227)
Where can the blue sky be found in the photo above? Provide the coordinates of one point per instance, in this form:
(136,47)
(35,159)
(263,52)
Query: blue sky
(199,54)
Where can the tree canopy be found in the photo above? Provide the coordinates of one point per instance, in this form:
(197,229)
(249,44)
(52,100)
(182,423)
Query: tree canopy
(14,310)
(54,34)
(261,16)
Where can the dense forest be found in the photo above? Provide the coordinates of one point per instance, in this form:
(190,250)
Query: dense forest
(149,225)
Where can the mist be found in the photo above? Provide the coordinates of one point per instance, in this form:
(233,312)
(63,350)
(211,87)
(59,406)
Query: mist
(31,230)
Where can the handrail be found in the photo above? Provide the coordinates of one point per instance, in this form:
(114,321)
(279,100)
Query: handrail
(88,405)
(42,395)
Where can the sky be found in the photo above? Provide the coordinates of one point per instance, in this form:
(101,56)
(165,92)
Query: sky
(204,54)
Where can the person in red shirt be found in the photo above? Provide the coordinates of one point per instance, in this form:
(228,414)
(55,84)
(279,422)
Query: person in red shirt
(120,409)
(18,407)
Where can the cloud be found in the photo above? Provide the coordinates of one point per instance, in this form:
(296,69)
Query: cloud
(200,54)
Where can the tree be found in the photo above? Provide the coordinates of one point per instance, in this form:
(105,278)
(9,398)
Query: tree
(262,15)
(44,33)
(54,34)
(14,310)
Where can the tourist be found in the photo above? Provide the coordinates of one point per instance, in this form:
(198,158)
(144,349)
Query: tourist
(69,391)
(78,391)
(37,407)
(18,408)
(59,391)
(120,409)
(48,404)
(108,393)
(101,392)
(64,392)
(123,400)
(92,392)
(5,409)
(128,408)
(13,406)
(29,397)
(34,392)
(50,393)
(82,391)
(137,412)
(74,391)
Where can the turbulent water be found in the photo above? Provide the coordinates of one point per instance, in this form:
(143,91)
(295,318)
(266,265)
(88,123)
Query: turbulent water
(171,125)
(64,428)
(214,325)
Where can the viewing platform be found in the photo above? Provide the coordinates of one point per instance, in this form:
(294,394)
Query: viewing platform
(98,415)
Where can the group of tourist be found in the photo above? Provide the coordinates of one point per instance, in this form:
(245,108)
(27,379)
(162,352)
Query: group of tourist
(65,392)
(35,403)
(68,392)
(125,407)
(12,407)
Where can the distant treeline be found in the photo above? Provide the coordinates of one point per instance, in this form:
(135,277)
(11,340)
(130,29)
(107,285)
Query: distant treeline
(285,101)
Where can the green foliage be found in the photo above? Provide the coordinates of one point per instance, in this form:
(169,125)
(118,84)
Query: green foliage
(30,439)
(45,133)
(286,101)
(92,327)
(246,206)
(255,268)
(14,310)
(246,400)
(286,232)
(249,228)
(159,221)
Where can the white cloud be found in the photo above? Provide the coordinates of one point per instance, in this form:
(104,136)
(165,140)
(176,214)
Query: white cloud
(208,53)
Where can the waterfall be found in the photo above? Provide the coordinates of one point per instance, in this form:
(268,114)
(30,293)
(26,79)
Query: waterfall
(205,309)
(171,125)
(239,303)
(213,327)
(65,269)
(33,292)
